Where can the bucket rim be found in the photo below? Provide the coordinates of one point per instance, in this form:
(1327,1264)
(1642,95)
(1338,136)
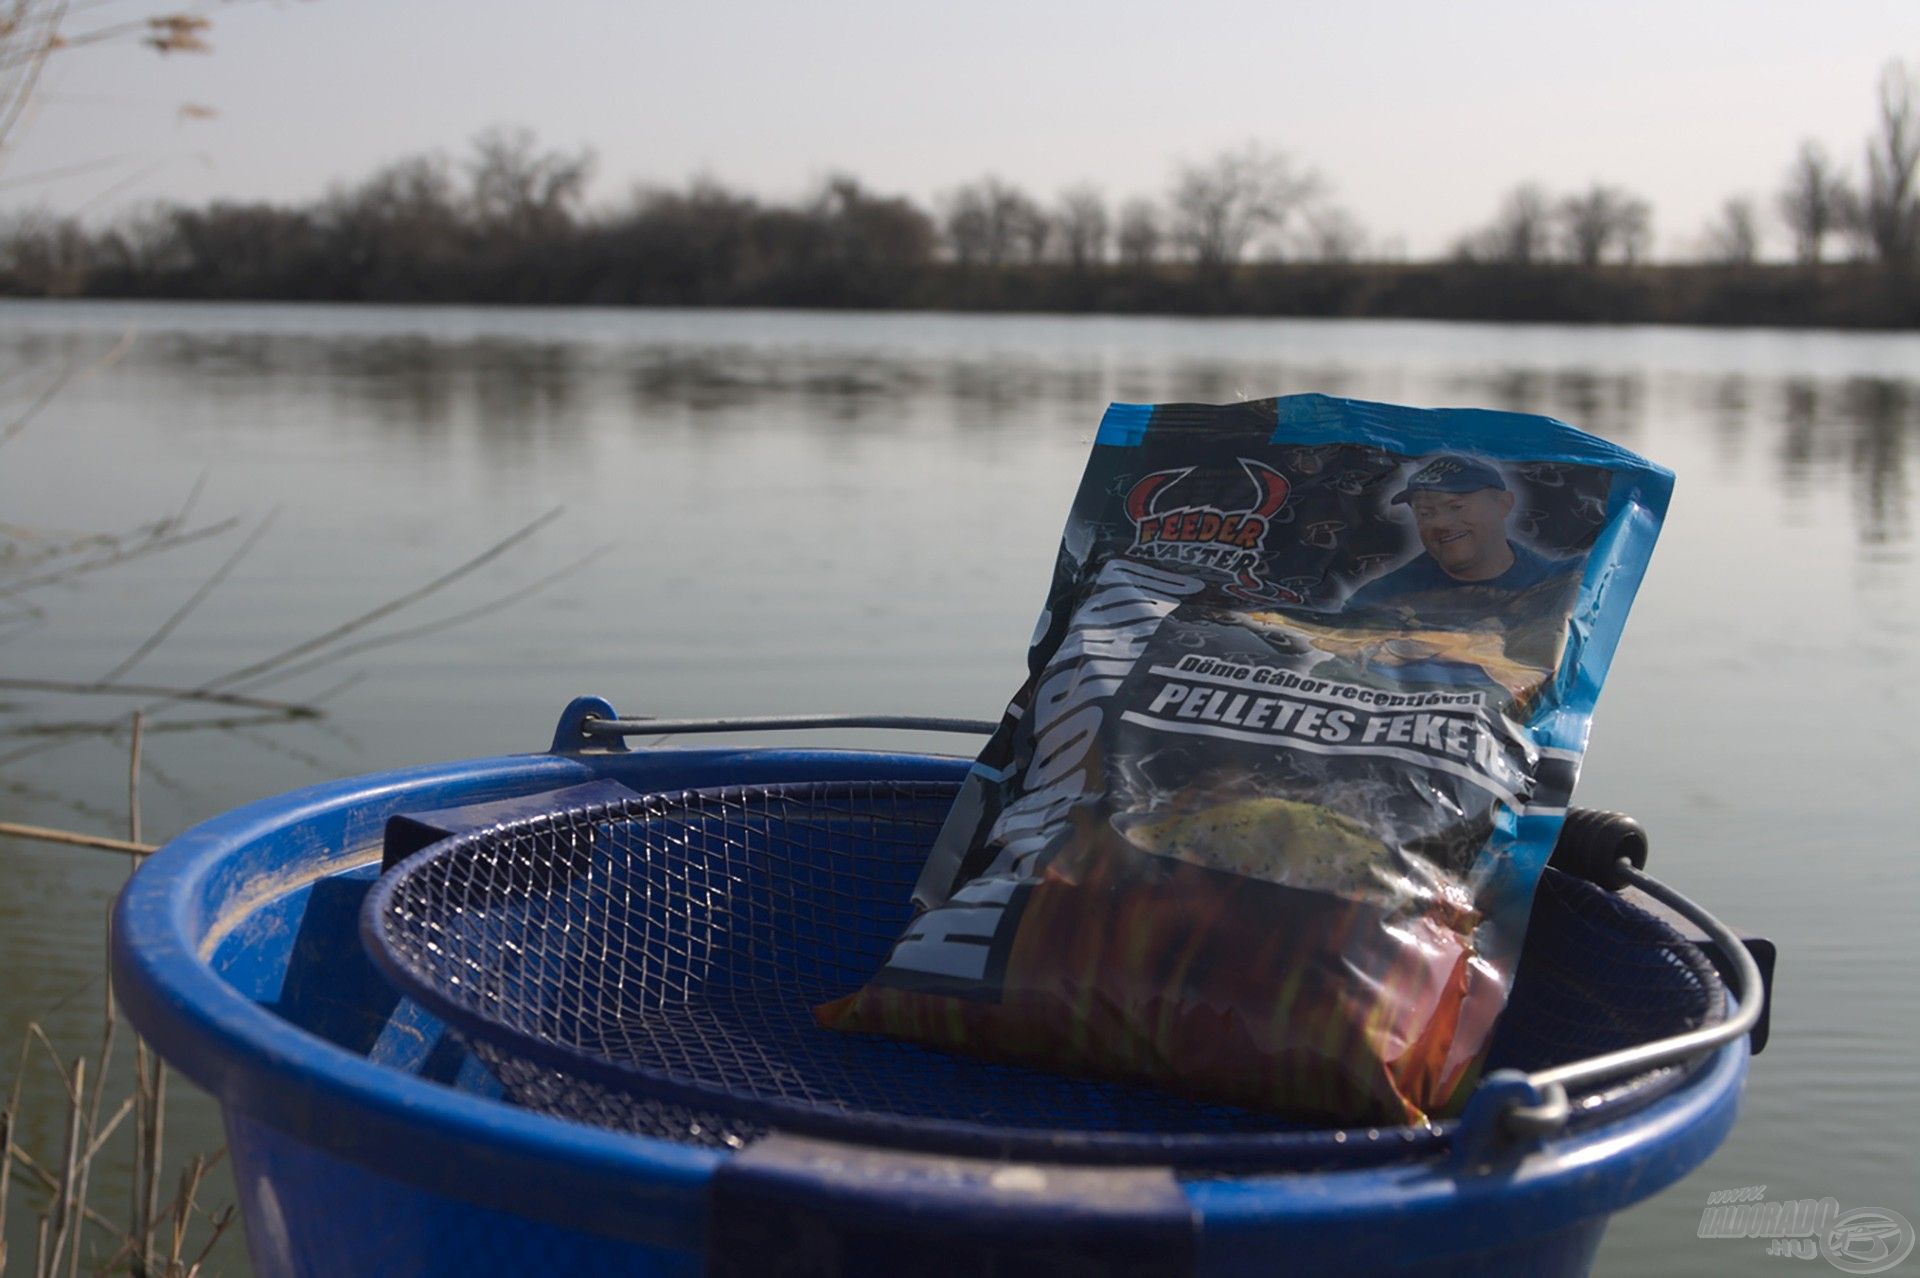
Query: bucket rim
(477,1149)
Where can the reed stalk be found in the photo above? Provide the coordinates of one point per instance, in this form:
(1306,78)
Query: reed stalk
(61,1213)
(6,1178)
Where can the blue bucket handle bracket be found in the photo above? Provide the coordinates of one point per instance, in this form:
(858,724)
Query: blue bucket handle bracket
(571,735)
(1507,1116)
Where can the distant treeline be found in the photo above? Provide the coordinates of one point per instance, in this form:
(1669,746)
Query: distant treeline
(1245,233)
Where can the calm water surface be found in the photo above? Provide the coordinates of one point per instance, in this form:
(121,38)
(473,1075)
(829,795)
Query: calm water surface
(813,512)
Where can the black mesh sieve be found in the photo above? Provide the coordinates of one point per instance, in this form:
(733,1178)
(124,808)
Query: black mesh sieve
(651,966)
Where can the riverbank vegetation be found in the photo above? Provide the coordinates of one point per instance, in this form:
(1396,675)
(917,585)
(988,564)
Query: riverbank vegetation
(1248,232)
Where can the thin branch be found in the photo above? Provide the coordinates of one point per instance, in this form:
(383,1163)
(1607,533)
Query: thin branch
(104,1134)
(148,547)
(38,406)
(49,1182)
(44,746)
(239,700)
(7,1112)
(69,731)
(210,690)
(20,1073)
(179,518)
(74,369)
(386,609)
(63,171)
(36,1034)
(221,1223)
(24,619)
(154,1085)
(133,782)
(261,741)
(207,587)
(40,794)
(140,1235)
(321,698)
(6,1176)
(131,180)
(172,784)
(45,834)
(63,1211)
(432,627)
(48,737)
(182,1208)
(35,61)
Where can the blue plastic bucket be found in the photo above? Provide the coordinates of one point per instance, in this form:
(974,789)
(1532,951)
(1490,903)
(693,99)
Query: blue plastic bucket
(365,1139)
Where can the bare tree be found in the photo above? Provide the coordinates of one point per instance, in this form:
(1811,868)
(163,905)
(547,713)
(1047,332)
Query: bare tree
(1814,202)
(1081,227)
(517,189)
(1521,233)
(1140,235)
(990,223)
(417,193)
(1033,230)
(399,229)
(1221,206)
(45,253)
(1889,207)
(1733,237)
(870,231)
(1606,222)
(1332,235)
(141,240)
(969,228)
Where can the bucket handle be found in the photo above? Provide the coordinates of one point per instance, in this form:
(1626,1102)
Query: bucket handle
(589,724)
(1508,1107)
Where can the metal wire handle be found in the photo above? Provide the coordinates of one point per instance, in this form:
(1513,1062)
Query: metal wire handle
(589,720)
(598,727)
(1749,998)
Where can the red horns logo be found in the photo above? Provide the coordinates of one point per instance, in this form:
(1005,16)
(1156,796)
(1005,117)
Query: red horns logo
(1242,528)
(1209,536)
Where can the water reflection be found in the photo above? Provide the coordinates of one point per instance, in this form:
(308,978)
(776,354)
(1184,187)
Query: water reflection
(831,512)
(1880,418)
(1729,412)
(407,382)
(526,392)
(545,390)
(1800,433)
(1612,404)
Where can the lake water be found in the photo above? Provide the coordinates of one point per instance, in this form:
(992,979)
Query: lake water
(859,512)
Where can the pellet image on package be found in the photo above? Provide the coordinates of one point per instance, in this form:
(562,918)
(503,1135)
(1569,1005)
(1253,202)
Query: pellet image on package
(1302,719)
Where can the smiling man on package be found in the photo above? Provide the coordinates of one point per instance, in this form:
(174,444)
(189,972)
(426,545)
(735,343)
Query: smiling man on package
(1460,508)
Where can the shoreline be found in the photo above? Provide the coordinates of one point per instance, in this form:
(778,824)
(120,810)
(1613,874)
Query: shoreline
(1841,297)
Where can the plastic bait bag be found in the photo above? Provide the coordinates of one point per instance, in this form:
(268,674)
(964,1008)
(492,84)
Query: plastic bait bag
(1303,717)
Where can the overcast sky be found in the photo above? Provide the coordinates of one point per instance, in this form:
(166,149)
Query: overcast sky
(1420,115)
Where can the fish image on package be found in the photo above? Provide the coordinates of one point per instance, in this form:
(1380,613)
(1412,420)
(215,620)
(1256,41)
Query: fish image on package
(1301,723)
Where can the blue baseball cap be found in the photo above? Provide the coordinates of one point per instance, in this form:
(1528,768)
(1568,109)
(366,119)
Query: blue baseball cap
(1450,473)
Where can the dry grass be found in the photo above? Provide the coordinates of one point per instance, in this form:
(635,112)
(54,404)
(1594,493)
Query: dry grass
(170,1241)
(164,1238)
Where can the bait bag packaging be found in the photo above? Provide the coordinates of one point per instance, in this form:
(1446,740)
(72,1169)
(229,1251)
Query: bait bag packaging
(1302,720)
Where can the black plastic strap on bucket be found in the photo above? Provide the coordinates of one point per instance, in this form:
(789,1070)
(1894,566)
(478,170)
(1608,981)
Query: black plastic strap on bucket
(788,1207)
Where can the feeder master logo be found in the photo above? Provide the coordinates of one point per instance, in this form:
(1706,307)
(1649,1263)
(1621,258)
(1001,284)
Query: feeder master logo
(1866,1240)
